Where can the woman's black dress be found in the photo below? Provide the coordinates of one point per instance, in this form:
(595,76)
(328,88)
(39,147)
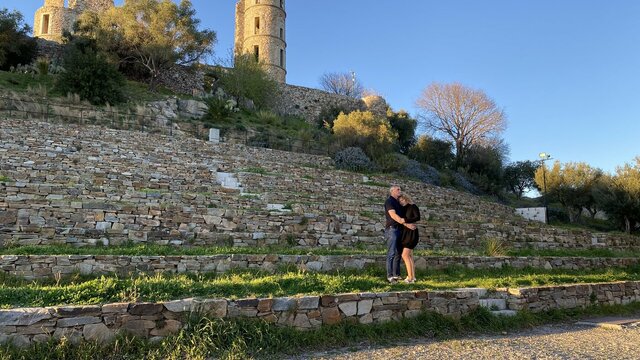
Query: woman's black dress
(410,237)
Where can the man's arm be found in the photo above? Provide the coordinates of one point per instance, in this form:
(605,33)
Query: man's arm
(400,220)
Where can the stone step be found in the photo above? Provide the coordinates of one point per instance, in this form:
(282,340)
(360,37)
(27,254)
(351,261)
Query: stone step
(504,312)
(480,291)
(494,304)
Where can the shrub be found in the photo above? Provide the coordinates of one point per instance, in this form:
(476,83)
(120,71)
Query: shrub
(364,130)
(435,152)
(248,80)
(424,173)
(219,109)
(328,115)
(391,162)
(16,46)
(494,247)
(353,158)
(93,77)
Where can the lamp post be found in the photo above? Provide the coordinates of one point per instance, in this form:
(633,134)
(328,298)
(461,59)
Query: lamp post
(544,157)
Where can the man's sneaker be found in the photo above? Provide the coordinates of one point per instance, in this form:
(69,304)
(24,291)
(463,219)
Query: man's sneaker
(392,279)
(398,278)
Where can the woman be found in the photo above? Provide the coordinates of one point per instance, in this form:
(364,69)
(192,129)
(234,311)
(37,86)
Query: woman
(409,238)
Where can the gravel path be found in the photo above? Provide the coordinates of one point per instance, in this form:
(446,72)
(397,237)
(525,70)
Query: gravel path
(560,341)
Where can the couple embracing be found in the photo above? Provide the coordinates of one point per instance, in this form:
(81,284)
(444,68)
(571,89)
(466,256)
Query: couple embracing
(400,233)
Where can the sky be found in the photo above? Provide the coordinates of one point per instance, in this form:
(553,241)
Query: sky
(566,72)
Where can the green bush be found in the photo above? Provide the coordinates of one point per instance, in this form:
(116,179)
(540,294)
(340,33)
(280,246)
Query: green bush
(364,130)
(92,77)
(434,152)
(248,80)
(391,162)
(353,158)
(16,46)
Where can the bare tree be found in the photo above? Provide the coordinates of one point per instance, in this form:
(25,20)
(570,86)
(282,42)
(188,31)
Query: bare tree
(464,115)
(342,84)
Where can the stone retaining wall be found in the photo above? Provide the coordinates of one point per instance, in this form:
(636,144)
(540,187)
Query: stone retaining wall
(573,296)
(308,103)
(100,323)
(24,326)
(48,266)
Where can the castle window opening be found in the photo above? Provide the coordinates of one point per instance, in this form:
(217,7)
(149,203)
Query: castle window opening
(45,24)
(282,33)
(256,52)
(281,4)
(257,25)
(281,58)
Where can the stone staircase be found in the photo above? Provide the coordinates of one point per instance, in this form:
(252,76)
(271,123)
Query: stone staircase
(494,301)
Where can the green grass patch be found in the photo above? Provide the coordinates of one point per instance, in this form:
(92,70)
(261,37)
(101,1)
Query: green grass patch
(132,249)
(243,339)
(4,178)
(16,292)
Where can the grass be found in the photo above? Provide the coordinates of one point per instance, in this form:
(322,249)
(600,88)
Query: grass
(243,339)
(161,250)
(17,292)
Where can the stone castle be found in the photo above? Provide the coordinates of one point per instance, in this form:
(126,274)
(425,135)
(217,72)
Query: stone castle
(260,27)
(58,15)
(260,31)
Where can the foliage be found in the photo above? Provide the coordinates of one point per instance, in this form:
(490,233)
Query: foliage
(405,126)
(570,184)
(620,196)
(494,247)
(248,80)
(362,129)
(152,34)
(16,46)
(424,173)
(466,116)
(93,77)
(328,115)
(520,176)
(219,109)
(390,162)
(431,151)
(353,158)
(342,84)
(483,166)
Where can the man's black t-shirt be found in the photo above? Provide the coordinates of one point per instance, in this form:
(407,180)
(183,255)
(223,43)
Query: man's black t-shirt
(392,204)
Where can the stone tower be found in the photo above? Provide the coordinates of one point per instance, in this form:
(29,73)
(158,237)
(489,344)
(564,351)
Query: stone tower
(260,31)
(55,17)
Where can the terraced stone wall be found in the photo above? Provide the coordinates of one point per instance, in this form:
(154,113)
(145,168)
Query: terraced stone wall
(48,266)
(87,185)
(100,323)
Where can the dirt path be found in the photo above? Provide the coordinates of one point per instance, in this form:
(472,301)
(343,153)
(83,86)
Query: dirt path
(564,341)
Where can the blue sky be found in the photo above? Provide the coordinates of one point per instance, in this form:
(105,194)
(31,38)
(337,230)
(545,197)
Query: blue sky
(566,72)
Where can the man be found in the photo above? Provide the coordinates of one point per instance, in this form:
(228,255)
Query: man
(394,215)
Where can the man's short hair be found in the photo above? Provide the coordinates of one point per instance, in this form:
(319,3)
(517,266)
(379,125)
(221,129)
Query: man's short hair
(394,187)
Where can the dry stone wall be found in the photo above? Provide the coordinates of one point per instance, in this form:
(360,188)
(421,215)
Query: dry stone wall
(23,326)
(35,267)
(87,185)
(308,103)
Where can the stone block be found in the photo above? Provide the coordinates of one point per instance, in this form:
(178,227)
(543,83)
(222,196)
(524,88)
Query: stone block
(76,321)
(145,309)
(165,328)
(23,316)
(349,308)
(364,306)
(99,333)
(179,305)
(212,307)
(308,302)
(331,315)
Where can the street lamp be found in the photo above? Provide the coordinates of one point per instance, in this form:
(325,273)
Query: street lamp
(544,157)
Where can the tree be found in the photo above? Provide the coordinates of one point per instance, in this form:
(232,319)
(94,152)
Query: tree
(248,80)
(152,34)
(571,185)
(484,166)
(620,196)
(520,176)
(431,151)
(16,47)
(466,116)
(405,126)
(92,77)
(342,84)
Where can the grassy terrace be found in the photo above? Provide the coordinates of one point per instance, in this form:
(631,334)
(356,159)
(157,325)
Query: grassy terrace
(155,250)
(15,292)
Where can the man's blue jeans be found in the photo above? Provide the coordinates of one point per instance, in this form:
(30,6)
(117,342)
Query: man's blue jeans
(393,256)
